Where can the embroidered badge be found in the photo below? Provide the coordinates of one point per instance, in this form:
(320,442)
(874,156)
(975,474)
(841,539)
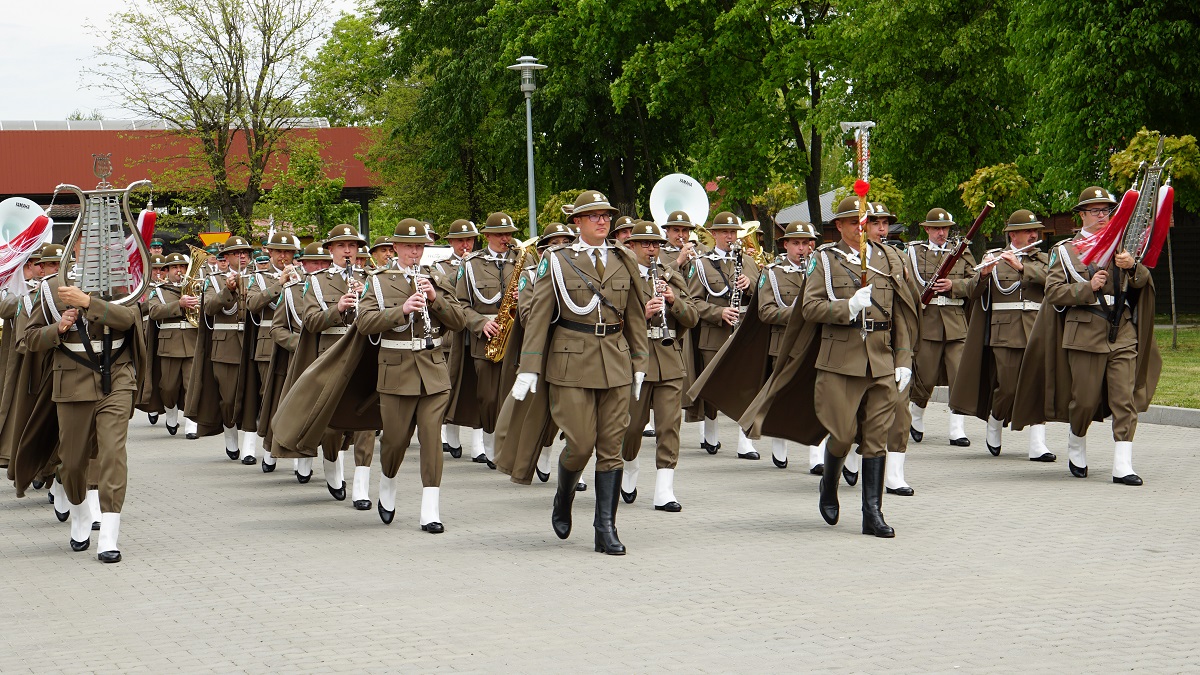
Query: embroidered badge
(691,271)
(812,264)
(460,272)
(524,281)
(762,279)
(542,267)
(1053,257)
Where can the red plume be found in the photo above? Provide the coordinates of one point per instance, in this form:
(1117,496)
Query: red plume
(861,188)
(1101,252)
(1160,227)
(145,226)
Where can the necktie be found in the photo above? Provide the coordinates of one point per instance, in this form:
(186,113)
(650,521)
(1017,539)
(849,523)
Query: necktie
(599,263)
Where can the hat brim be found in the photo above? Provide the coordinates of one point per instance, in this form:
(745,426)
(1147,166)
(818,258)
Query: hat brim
(591,208)
(499,229)
(234,249)
(409,239)
(679,223)
(936,223)
(1082,205)
(462,235)
(1036,225)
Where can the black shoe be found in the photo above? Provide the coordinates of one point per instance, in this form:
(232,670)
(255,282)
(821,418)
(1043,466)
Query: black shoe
(1131,479)
(776,462)
(917,436)
(249,460)
(62,517)
(541,476)
(818,470)
(385,515)
(994,449)
(961,442)
(95,526)
(491,465)
(233,454)
(109,557)
(50,496)
(905,491)
(753,454)
(302,479)
(454,452)
(78,546)
(170,430)
(711,449)
(850,476)
(564,497)
(629,497)
(827,504)
(608,484)
(362,504)
(339,493)
(38,484)
(670,507)
(648,433)
(433,528)
(480,458)
(1045,457)
(581,486)
(190,436)
(1077,471)
(152,417)
(268,468)
(872,498)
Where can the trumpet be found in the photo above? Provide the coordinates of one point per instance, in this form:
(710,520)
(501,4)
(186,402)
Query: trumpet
(665,338)
(415,273)
(989,261)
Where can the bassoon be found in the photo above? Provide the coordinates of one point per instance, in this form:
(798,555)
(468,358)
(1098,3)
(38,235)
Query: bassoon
(948,263)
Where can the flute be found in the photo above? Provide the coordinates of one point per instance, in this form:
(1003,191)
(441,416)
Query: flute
(989,261)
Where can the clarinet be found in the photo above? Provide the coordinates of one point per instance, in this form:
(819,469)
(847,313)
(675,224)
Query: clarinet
(428,326)
(350,285)
(666,339)
(735,293)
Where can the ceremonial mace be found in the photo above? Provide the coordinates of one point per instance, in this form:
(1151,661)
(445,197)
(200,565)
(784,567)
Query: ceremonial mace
(862,134)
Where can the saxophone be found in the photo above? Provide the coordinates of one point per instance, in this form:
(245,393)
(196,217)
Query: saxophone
(506,314)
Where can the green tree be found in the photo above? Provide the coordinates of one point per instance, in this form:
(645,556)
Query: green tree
(1004,186)
(1184,168)
(348,76)
(303,194)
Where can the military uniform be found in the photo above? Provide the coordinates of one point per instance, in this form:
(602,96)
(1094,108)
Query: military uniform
(454,342)
(482,280)
(665,375)
(224,314)
(588,295)
(710,286)
(943,325)
(413,380)
(262,301)
(175,347)
(328,324)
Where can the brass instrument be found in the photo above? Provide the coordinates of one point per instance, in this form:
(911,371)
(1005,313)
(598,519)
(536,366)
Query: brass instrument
(193,281)
(506,314)
(750,245)
(665,337)
(735,293)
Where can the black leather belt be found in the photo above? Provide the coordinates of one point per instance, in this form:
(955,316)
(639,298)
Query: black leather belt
(597,329)
(872,324)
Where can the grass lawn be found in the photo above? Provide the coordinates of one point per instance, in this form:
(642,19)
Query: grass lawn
(1180,381)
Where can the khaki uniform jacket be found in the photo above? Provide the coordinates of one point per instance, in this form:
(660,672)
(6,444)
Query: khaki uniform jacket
(408,372)
(453,342)
(1068,285)
(163,304)
(778,288)
(220,306)
(479,286)
(943,322)
(262,299)
(320,310)
(286,322)
(708,287)
(666,362)
(576,359)
(831,282)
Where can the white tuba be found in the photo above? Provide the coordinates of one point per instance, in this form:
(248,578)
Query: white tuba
(679,192)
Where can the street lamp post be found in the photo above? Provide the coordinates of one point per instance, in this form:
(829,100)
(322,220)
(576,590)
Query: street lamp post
(527,65)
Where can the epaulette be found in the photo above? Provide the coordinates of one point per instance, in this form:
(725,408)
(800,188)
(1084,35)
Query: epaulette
(829,245)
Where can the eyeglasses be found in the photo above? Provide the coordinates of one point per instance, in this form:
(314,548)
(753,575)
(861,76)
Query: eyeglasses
(598,217)
(1097,212)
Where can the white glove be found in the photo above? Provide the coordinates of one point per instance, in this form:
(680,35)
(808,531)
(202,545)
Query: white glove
(860,300)
(526,382)
(903,376)
(638,378)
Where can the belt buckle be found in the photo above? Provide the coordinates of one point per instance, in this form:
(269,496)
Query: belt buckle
(600,330)
(656,333)
(415,345)
(869,324)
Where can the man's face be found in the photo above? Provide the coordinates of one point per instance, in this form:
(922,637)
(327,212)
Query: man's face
(937,234)
(311,266)
(381,255)
(797,249)
(281,257)
(236,260)
(848,228)
(724,238)
(592,227)
(646,251)
(175,273)
(1095,216)
(499,242)
(622,236)
(877,228)
(32,270)
(340,250)
(462,247)
(677,234)
(1023,238)
(156,250)
(408,255)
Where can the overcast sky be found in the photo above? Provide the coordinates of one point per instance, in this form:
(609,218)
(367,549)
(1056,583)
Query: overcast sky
(43,46)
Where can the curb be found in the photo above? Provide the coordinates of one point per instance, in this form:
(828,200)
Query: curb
(1157,414)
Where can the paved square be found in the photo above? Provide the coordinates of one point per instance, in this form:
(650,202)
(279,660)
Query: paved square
(999,564)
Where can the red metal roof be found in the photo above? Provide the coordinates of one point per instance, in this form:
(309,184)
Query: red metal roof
(33,162)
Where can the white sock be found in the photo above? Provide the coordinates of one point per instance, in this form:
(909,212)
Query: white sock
(1077,449)
(744,443)
(543,463)
(629,476)
(93,502)
(387,493)
(918,417)
(477,442)
(664,487)
(450,435)
(995,432)
(61,505)
(110,529)
(231,438)
(489,446)
(362,483)
(816,455)
(779,449)
(957,429)
(710,431)
(249,443)
(81,521)
(1037,441)
(267,458)
(172,417)
(1122,459)
(650,424)
(894,471)
(429,505)
(189,427)
(853,461)
(334,474)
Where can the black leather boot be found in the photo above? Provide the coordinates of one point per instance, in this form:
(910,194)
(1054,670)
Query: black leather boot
(829,486)
(872,498)
(564,496)
(608,484)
